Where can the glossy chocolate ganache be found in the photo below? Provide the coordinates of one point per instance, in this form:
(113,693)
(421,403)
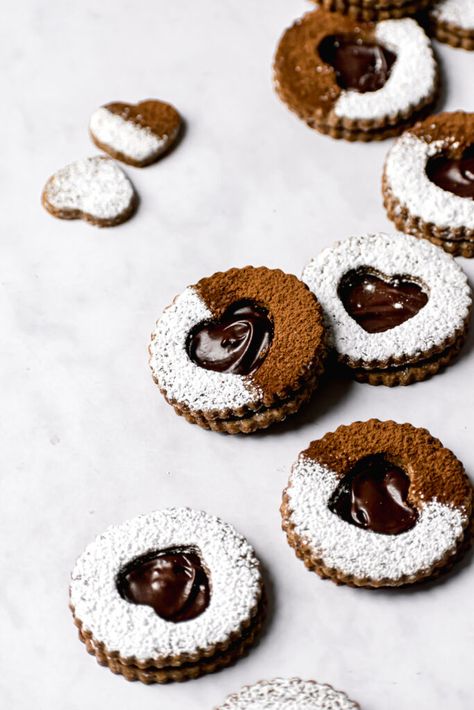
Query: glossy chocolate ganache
(455,175)
(173,582)
(237,343)
(359,64)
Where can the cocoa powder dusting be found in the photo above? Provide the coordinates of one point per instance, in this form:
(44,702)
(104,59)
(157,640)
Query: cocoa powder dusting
(455,129)
(160,118)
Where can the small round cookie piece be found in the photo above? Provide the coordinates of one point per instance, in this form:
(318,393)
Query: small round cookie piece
(428,182)
(239,350)
(137,134)
(397,309)
(452,21)
(356,80)
(377,504)
(93,189)
(288,694)
(168,596)
(375,10)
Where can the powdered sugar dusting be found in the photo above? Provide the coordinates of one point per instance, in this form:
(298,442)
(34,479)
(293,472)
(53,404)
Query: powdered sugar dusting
(95,186)
(444,314)
(124,136)
(455,12)
(412,79)
(405,171)
(183,380)
(288,694)
(135,630)
(364,553)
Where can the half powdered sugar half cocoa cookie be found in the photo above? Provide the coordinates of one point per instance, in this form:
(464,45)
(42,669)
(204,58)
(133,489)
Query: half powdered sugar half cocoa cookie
(239,350)
(397,309)
(137,134)
(375,9)
(168,596)
(356,80)
(428,182)
(452,21)
(378,504)
(288,694)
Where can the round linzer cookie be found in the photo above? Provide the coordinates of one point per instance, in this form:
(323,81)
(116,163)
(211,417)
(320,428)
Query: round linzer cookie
(93,189)
(356,80)
(397,309)
(428,182)
(452,21)
(377,504)
(288,694)
(375,9)
(137,134)
(239,350)
(168,596)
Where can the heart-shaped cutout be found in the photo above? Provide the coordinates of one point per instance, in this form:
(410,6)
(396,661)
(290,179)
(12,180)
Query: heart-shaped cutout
(173,582)
(361,65)
(137,134)
(455,175)
(373,496)
(378,302)
(94,189)
(237,343)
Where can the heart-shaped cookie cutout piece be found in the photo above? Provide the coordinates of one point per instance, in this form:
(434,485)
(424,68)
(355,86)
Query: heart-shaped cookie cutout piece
(93,189)
(137,134)
(378,302)
(360,65)
(237,343)
(455,175)
(373,495)
(173,582)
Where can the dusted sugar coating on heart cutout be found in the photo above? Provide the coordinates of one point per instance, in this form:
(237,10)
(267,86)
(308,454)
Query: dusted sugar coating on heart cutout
(93,189)
(378,303)
(359,65)
(455,175)
(137,134)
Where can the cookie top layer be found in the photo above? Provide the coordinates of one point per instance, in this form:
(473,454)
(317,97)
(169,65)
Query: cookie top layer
(297,344)
(309,85)
(136,631)
(434,326)
(459,13)
(405,173)
(288,694)
(439,491)
(135,133)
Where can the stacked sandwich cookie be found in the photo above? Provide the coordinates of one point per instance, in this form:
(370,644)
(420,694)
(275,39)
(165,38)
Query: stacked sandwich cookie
(375,9)
(452,22)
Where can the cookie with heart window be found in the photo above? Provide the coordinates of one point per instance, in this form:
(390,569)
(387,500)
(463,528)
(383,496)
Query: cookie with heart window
(168,596)
(397,308)
(378,504)
(452,22)
(356,80)
(239,350)
(289,694)
(428,182)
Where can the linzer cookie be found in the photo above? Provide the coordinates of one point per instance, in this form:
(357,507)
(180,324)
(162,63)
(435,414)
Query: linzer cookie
(377,504)
(356,80)
(288,694)
(375,9)
(239,350)
(168,596)
(452,21)
(428,182)
(137,134)
(93,189)
(397,308)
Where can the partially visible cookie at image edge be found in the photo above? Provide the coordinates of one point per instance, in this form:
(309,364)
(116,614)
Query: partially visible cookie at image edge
(371,10)
(288,694)
(452,22)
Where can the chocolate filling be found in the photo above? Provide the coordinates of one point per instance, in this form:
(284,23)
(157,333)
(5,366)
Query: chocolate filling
(455,175)
(378,302)
(359,64)
(237,343)
(373,496)
(173,582)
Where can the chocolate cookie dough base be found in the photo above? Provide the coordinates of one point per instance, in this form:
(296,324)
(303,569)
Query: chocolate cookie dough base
(338,577)
(368,11)
(148,673)
(451,34)
(78,214)
(457,241)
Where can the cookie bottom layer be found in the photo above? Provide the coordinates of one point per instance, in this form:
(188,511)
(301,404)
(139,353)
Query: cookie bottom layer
(451,34)
(148,673)
(363,10)
(86,217)
(315,564)
(457,241)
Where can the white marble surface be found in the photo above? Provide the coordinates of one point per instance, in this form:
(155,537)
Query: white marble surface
(86,439)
